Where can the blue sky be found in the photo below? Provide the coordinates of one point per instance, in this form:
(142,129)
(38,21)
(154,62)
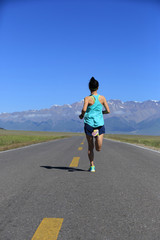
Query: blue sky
(50,49)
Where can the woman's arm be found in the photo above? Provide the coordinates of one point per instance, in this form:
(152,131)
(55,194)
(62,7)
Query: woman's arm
(84,109)
(105,104)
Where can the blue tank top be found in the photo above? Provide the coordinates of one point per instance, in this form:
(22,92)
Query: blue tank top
(94,115)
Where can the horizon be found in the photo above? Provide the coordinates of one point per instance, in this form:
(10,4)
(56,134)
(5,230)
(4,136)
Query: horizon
(50,50)
(56,105)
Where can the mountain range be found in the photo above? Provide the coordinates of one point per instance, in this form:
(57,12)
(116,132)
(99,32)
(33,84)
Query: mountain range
(130,117)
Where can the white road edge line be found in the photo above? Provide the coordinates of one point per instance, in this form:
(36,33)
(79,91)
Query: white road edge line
(152,150)
(32,145)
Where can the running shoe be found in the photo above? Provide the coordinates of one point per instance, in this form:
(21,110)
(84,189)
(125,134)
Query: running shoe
(95,133)
(92,169)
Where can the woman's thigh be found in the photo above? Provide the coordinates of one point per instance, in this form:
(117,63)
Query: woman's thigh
(99,142)
(90,142)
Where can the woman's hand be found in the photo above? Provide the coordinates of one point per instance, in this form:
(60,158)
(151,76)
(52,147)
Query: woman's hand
(81,116)
(105,112)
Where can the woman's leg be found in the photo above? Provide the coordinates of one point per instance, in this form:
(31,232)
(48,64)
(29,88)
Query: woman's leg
(98,142)
(90,149)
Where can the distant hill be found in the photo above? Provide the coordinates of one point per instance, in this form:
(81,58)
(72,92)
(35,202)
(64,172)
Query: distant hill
(129,117)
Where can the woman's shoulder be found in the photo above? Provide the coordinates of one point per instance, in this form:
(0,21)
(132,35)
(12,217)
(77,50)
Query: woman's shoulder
(101,96)
(102,99)
(86,98)
(89,97)
(89,100)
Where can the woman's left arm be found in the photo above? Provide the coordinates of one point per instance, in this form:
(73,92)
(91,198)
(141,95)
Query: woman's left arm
(84,109)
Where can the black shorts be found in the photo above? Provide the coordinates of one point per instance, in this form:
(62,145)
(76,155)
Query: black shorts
(88,129)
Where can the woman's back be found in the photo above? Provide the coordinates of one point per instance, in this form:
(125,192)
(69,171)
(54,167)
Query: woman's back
(93,115)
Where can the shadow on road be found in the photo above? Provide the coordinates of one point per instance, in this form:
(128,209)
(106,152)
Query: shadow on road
(69,169)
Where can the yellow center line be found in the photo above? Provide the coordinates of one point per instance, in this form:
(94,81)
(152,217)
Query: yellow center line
(75,162)
(48,229)
(80,148)
(82,143)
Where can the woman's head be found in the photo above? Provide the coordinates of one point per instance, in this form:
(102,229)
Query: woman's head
(93,84)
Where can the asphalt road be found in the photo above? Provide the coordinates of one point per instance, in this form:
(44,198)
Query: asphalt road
(120,201)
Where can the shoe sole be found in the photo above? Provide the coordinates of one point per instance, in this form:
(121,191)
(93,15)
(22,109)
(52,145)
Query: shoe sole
(96,134)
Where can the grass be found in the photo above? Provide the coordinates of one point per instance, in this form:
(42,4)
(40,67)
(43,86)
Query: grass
(14,139)
(148,141)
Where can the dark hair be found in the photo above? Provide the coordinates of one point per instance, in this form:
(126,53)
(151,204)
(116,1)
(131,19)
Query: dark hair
(93,84)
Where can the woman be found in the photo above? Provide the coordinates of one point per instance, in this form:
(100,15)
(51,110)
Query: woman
(93,119)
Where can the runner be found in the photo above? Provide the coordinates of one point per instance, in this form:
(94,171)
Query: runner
(93,119)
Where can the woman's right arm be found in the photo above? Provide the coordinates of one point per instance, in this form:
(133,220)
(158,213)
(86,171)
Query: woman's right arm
(105,104)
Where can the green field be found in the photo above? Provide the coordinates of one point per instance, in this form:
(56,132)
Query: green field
(14,139)
(148,141)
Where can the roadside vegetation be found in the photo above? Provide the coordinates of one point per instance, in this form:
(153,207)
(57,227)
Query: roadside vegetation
(14,139)
(143,140)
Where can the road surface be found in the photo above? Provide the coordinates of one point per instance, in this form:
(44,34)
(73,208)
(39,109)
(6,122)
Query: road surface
(120,201)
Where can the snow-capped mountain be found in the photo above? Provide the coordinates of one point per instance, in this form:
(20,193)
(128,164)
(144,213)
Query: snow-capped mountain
(129,117)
